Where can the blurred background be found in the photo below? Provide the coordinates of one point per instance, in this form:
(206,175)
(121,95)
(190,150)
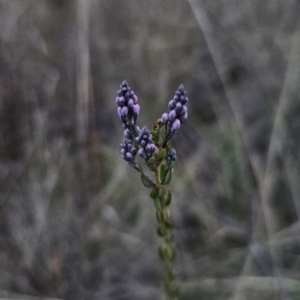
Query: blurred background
(75,220)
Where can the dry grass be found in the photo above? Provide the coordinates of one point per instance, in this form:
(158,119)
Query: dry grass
(75,221)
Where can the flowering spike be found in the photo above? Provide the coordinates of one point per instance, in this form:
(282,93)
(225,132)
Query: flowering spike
(153,147)
(177,115)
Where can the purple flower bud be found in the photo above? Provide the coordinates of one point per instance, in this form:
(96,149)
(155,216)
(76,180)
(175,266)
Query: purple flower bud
(120,93)
(178,106)
(172,115)
(176,99)
(184,108)
(127,133)
(183,118)
(165,117)
(129,156)
(121,101)
(136,110)
(175,125)
(123,151)
(124,111)
(130,103)
(141,152)
(135,99)
(133,151)
(119,112)
(172,104)
(143,143)
(124,84)
(152,147)
(184,101)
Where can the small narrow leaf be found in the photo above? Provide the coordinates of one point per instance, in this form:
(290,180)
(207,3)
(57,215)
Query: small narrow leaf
(171,253)
(161,252)
(162,172)
(161,191)
(153,193)
(168,198)
(157,204)
(168,176)
(162,230)
(159,216)
(147,182)
(168,224)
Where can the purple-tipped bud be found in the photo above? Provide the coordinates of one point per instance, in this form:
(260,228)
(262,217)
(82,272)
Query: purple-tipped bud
(124,111)
(124,83)
(120,112)
(150,148)
(136,110)
(141,152)
(133,151)
(184,101)
(171,156)
(127,95)
(129,156)
(164,117)
(183,118)
(130,103)
(121,101)
(135,99)
(172,115)
(178,106)
(175,125)
(127,133)
(172,104)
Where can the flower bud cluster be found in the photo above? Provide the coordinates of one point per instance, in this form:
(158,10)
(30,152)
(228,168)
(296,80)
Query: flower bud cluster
(178,110)
(171,156)
(128,109)
(128,151)
(144,139)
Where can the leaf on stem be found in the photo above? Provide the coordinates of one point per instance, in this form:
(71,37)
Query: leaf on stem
(162,172)
(168,176)
(162,230)
(147,182)
(157,204)
(168,198)
(161,191)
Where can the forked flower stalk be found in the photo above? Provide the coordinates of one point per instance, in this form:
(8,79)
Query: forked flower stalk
(152,146)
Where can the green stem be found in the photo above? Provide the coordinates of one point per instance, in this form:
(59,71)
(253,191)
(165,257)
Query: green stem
(167,248)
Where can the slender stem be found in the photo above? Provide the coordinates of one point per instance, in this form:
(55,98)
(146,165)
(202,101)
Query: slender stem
(167,247)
